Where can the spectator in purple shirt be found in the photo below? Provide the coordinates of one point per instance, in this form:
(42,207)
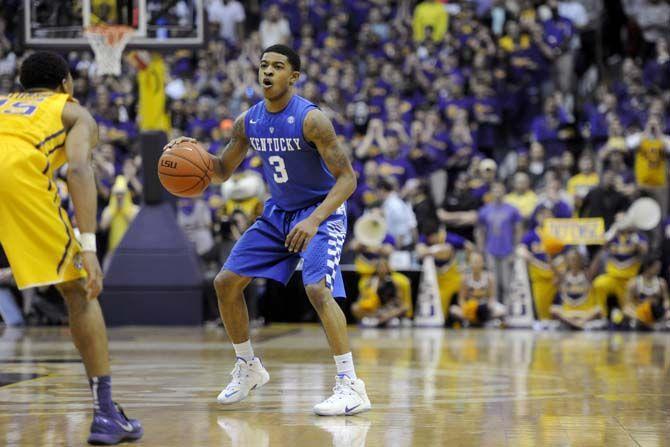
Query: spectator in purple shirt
(547,128)
(393,161)
(558,35)
(487,113)
(656,73)
(498,232)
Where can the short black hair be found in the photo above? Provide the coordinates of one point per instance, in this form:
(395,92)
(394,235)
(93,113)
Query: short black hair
(43,69)
(291,55)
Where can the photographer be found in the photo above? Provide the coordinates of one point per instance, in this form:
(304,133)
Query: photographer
(384,297)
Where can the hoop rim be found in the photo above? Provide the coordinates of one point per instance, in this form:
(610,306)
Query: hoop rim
(102,28)
(112,33)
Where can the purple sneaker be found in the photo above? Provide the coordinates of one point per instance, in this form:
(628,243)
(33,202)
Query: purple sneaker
(109,429)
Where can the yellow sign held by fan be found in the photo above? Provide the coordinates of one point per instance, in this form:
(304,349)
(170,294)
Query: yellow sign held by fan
(587,231)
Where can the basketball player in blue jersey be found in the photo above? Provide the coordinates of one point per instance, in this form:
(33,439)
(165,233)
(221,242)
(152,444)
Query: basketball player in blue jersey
(310,178)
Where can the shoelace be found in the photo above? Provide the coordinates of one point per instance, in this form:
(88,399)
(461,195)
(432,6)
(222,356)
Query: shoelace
(120,411)
(237,374)
(340,390)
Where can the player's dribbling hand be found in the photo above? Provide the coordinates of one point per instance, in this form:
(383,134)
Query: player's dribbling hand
(299,237)
(94,280)
(178,140)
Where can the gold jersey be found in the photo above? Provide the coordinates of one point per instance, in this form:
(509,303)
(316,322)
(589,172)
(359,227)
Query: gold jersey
(35,232)
(35,119)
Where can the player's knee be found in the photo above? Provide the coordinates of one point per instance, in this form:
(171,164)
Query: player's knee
(74,293)
(318,294)
(226,282)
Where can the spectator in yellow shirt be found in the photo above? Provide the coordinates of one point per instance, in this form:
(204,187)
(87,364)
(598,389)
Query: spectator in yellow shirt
(383,296)
(522,197)
(430,13)
(586,179)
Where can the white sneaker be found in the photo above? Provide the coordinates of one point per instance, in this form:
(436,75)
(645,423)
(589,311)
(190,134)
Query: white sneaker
(246,377)
(349,397)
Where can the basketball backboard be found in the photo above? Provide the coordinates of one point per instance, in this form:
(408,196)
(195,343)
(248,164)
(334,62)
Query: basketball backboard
(159,24)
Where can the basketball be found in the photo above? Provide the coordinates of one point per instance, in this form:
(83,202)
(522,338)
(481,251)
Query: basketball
(185,169)
(552,245)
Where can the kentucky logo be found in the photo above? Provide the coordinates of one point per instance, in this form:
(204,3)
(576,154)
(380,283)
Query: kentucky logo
(290,120)
(272,130)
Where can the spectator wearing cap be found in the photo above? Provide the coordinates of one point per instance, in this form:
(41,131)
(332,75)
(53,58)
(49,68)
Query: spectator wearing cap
(481,185)
(498,232)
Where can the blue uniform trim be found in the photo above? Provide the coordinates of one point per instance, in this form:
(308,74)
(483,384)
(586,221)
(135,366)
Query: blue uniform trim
(260,252)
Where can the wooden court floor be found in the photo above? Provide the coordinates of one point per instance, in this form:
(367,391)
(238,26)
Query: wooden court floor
(428,388)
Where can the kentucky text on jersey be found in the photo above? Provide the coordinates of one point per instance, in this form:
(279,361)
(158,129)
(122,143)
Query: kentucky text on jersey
(295,173)
(275,144)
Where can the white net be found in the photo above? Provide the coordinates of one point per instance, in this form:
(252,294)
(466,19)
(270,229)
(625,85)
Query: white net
(108,42)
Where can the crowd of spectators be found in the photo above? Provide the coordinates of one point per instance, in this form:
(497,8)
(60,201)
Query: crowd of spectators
(467,123)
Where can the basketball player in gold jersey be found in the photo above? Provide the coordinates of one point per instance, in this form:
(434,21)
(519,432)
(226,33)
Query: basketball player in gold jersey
(41,129)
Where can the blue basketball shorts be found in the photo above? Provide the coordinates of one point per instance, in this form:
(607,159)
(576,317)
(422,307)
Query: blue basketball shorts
(260,252)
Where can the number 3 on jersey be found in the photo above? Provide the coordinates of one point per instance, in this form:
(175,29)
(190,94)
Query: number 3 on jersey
(280,174)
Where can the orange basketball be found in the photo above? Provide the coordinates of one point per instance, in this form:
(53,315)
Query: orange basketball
(552,245)
(185,169)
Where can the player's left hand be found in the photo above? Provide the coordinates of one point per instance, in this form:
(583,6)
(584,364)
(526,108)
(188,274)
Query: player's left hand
(299,237)
(178,140)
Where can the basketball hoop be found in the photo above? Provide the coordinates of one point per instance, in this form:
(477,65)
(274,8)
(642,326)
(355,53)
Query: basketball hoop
(108,42)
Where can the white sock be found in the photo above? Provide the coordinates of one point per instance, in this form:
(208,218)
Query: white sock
(244,350)
(345,365)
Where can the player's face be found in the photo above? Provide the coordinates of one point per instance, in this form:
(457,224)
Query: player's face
(276,75)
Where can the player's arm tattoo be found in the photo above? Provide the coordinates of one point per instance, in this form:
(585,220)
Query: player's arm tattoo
(319,130)
(233,154)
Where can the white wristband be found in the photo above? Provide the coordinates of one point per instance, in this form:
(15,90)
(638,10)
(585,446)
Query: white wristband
(88,242)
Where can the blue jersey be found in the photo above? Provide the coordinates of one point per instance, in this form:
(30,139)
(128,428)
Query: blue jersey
(293,168)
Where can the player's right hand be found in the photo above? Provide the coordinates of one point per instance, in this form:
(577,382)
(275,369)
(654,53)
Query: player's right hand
(94,280)
(178,140)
